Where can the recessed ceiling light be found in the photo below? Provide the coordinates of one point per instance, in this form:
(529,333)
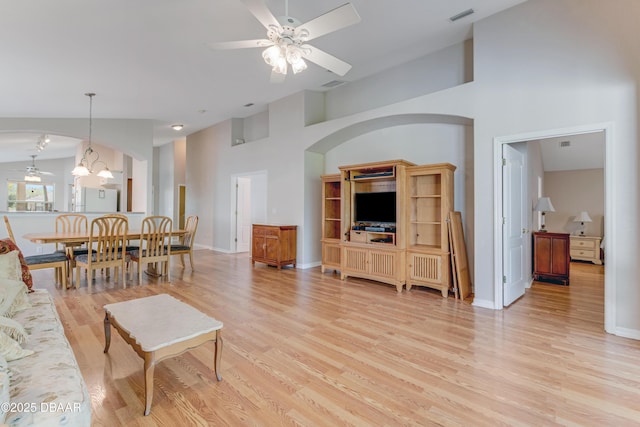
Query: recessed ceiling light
(177,127)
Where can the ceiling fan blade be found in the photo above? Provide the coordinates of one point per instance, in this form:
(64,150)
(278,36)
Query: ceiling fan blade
(261,12)
(331,21)
(325,60)
(277,77)
(240,44)
(45,173)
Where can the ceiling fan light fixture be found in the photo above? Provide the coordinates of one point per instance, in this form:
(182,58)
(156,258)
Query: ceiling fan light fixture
(298,66)
(272,55)
(280,66)
(32,178)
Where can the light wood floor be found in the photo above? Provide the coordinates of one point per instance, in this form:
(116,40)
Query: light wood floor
(304,348)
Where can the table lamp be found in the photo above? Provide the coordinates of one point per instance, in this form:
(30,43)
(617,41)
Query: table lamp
(544,205)
(582,217)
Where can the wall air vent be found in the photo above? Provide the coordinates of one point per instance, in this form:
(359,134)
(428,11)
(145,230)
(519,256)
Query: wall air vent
(333,83)
(564,144)
(461,15)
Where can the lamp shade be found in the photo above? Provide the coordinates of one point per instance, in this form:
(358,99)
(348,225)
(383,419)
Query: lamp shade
(544,205)
(582,217)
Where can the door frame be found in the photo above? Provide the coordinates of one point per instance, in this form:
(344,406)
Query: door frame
(610,226)
(256,175)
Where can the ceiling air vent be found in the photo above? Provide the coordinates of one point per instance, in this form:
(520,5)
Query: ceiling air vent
(461,15)
(333,83)
(564,144)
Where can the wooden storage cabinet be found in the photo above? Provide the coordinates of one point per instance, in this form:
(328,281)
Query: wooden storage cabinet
(430,200)
(371,249)
(428,269)
(585,248)
(274,244)
(382,265)
(551,257)
(331,221)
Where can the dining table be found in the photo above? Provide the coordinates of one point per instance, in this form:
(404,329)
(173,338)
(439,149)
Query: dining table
(70,240)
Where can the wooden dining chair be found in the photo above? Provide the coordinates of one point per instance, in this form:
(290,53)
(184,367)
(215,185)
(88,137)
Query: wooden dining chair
(185,245)
(72,223)
(155,237)
(107,237)
(56,260)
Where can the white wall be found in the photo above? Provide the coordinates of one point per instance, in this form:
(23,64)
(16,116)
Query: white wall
(545,64)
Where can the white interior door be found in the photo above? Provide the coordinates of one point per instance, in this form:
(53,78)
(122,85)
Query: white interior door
(243,214)
(514,224)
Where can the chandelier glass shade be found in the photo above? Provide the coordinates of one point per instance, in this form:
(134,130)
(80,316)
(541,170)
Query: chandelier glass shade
(283,53)
(90,157)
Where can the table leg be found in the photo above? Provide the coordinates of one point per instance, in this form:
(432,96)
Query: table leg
(149,366)
(107,333)
(218,355)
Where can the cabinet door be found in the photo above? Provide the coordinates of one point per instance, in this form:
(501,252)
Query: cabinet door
(543,255)
(559,250)
(258,247)
(425,267)
(355,260)
(272,248)
(383,263)
(330,255)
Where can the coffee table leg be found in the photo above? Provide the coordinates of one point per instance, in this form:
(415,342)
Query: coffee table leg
(218,355)
(149,366)
(107,332)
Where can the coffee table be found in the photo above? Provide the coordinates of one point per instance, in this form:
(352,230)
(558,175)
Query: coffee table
(158,327)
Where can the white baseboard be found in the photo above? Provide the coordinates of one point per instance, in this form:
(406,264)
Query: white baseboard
(628,333)
(484,304)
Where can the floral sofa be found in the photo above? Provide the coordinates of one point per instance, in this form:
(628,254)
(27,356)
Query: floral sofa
(40,381)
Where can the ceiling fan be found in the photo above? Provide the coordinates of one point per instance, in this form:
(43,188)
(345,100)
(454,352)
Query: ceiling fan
(32,173)
(286,42)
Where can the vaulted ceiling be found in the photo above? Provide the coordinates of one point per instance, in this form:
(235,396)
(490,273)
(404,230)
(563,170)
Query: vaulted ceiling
(149,59)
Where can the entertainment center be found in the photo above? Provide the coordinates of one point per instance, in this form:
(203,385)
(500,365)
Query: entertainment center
(389,223)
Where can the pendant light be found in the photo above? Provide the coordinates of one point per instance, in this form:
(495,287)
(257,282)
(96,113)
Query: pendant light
(84,168)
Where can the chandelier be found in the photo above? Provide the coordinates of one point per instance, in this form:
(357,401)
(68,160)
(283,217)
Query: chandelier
(90,157)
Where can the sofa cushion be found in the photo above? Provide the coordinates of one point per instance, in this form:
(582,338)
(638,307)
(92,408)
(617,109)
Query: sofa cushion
(10,348)
(6,246)
(13,297)
(10,267)
(14,329)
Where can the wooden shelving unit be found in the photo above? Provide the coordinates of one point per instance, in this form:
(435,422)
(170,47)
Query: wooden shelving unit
(430,189)
(331,221)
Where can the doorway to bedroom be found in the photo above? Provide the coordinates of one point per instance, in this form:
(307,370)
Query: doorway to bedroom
(569,167)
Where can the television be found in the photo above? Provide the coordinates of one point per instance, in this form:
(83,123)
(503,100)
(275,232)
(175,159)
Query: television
(375,207)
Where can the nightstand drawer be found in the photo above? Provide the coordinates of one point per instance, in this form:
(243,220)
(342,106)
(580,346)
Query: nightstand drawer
(577,243)
(583,253)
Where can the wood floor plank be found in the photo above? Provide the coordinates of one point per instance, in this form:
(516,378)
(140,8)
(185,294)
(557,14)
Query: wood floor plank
(303,348)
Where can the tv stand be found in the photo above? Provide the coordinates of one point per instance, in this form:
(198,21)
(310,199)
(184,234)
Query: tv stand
(413,251)
(373,250)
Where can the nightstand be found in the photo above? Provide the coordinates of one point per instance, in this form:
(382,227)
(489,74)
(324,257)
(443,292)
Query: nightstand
(586,248)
